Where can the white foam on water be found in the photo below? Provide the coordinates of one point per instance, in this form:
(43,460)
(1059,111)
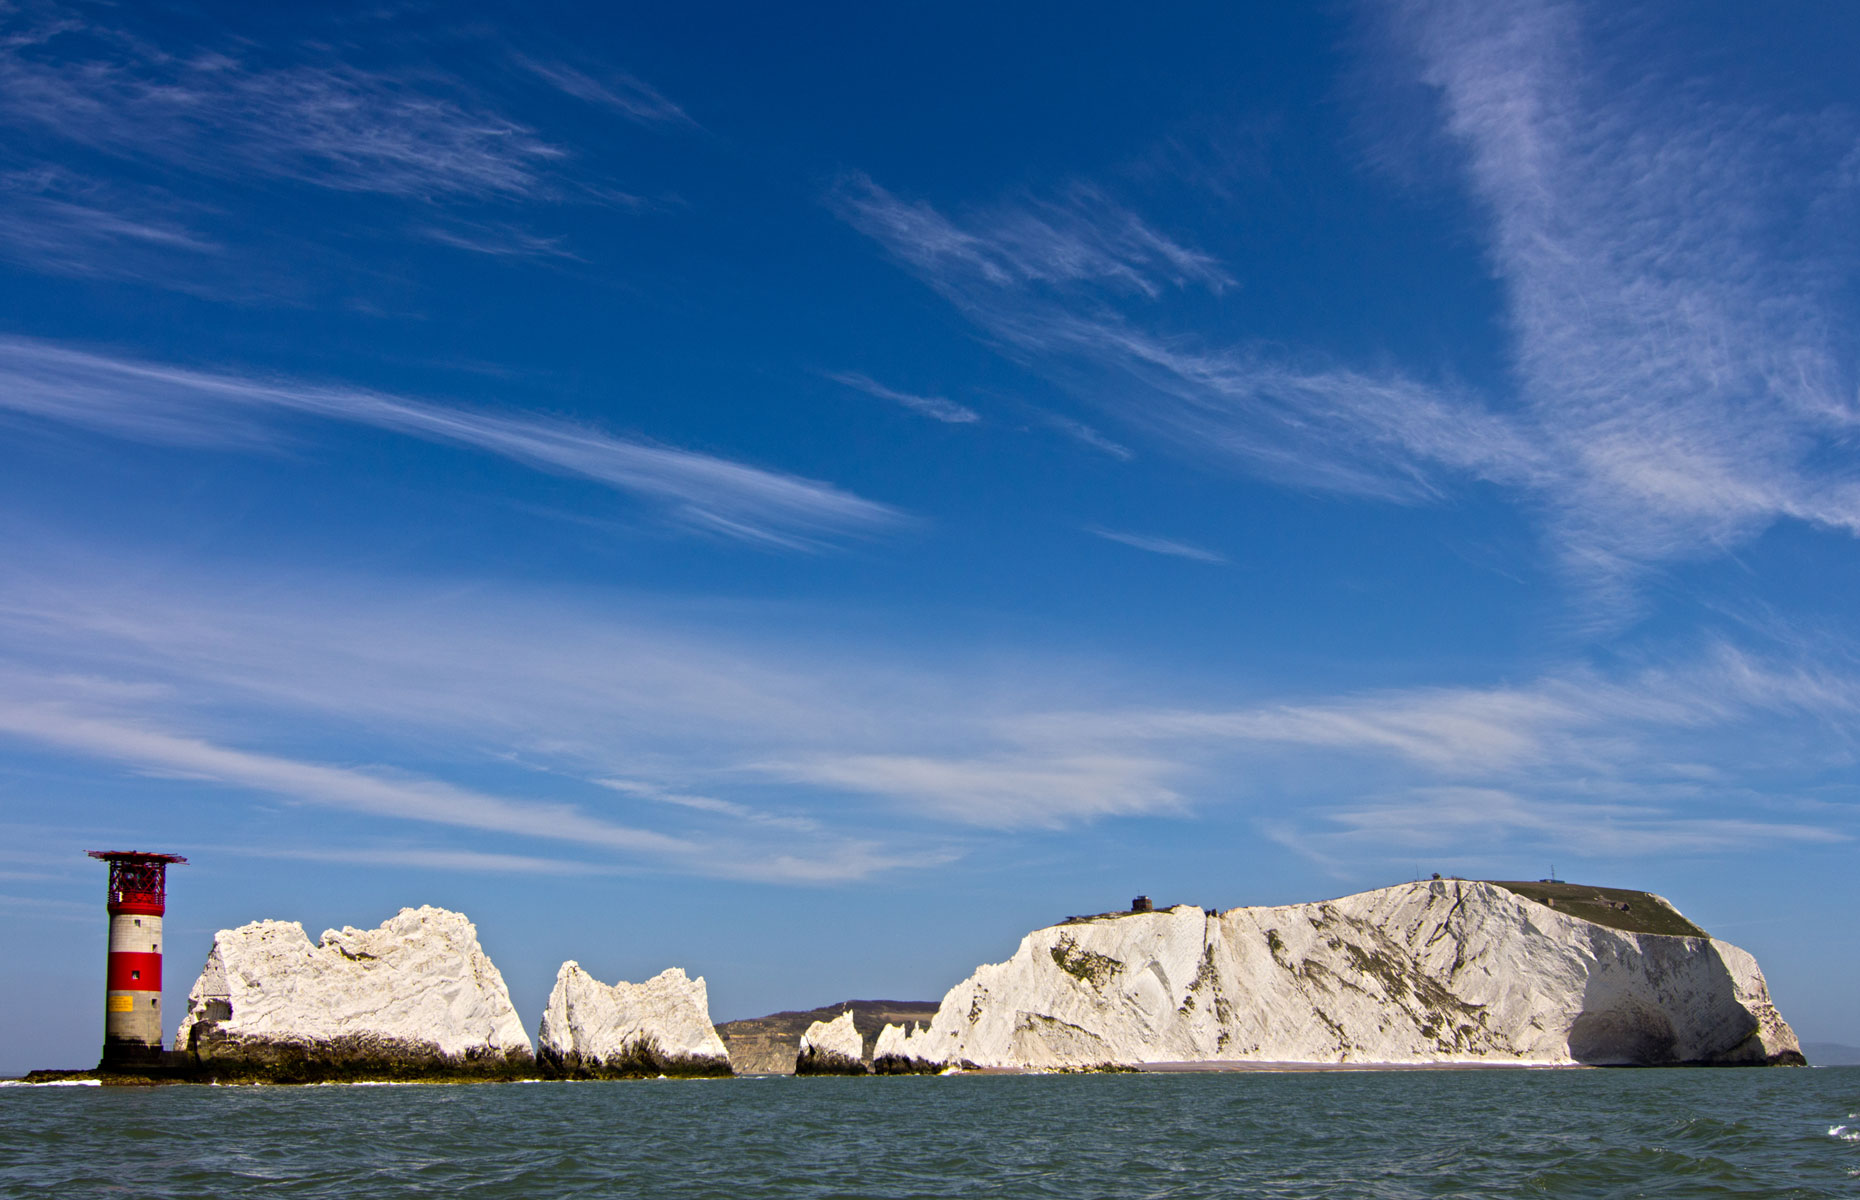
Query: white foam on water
(1844,1133)
(52,1083)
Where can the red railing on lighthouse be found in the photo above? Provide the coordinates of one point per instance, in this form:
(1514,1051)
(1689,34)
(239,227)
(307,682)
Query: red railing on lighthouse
(138,880)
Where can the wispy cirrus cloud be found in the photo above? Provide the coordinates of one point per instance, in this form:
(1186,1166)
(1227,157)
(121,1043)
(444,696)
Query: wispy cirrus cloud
(1083,238)
(1085,434)
(496,240)
(1156,545)
(218,116)
(215,112)
(46,721)
(934,407)
(734,745)
(422,858)
(1065,286)
(156,402)
(54,220)
(1573,718)
(50,720)
(1001,790)
(1673,266)
(660,794)
(611,89)
(1446,819)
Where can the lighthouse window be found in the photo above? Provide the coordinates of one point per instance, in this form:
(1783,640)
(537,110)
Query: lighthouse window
(138,922)
(135,974)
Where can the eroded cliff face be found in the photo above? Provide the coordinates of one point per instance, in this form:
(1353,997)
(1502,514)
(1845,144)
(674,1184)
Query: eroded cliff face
(831,1048)
(1449,971)
(416,998)
(629,1030)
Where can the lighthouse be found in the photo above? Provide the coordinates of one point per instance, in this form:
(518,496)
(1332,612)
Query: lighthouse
(132,982)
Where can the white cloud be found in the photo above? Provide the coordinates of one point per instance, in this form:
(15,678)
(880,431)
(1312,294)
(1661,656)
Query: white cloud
(1157,545)
(397,796)
(1000,792)
(412,134)
(1448,820)
(614,90)
(1672,325)
(934,407)
(1572,718)
(744,747)
(181,756)
(707,804)
(1087,435)
(1674,269)
(1082,239)
(1062,299)
(156,402)
(497,240)
(423,858)
(54,220)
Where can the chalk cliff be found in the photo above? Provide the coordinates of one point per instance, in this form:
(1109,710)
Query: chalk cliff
(415,998)
(629,1030)
(1448,971)
(831,1048)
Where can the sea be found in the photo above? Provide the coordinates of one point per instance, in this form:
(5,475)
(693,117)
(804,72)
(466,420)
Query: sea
(1474,1134)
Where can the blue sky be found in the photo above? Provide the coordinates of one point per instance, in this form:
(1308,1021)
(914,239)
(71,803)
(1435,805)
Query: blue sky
(810,496)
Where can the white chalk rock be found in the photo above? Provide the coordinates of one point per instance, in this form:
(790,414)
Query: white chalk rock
(831,1048)
(416,997)
(659,1027)
(1448,971)
(899,1051)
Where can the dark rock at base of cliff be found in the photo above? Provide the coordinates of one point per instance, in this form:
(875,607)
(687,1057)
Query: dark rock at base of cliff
(1751,1053)
(898,1064)
(241,1058)
(820,1062)
(642,1060)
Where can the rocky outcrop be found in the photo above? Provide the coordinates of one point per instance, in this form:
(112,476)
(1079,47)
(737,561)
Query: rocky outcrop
(629,1030)
(413,999)
(908,1050)
(1448,971)
(831,1048)
(768,1045)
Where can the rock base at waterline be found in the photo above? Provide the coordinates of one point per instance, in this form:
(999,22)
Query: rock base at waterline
(831,1048)
(351,1058)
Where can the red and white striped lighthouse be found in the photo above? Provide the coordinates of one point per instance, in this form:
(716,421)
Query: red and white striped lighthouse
(132,984)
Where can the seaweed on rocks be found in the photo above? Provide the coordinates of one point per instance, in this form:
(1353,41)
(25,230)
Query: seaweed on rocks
(642,1059)
(221,1057)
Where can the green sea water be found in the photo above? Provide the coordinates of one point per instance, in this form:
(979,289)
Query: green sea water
(1474,1134)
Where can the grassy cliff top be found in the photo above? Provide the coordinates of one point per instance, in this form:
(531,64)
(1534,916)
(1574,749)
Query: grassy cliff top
(1617,908)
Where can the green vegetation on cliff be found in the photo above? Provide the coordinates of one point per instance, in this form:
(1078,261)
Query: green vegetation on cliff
(1617,908)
